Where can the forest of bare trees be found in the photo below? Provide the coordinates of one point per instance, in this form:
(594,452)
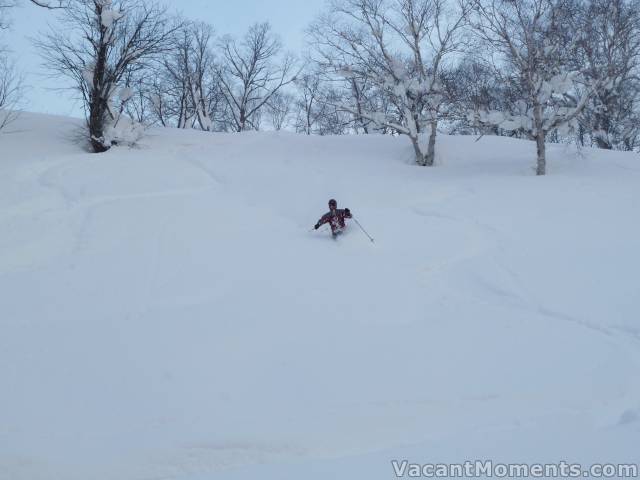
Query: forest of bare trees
(543,70)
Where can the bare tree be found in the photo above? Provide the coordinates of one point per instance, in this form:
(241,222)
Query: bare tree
(202,80)
(251,72)
(308,104)
(138,105)
(280,107)
(157,100)
(186,88)
(400,47)
(10,91)
(10,80)
(172,93)
(102,42)
(316,106)
(333,120)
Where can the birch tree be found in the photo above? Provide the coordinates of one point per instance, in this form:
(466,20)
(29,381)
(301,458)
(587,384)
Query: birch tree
(534,51)
(400,47)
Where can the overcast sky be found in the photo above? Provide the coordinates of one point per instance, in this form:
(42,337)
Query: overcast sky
(288,17)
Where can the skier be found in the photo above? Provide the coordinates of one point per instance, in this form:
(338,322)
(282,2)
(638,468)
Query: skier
(335,218)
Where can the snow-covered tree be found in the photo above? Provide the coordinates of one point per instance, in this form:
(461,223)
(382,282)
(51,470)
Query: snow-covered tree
(474,86)
(610,53)
(251,72)
(102,41)
(399,47)
(534,47)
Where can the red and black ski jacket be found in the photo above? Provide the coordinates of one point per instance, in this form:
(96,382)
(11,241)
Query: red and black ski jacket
(335,218)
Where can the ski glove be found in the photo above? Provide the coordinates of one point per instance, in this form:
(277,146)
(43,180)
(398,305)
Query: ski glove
(316,226)
(347,211)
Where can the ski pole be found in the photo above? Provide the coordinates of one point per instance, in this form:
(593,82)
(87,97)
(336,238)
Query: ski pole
(363,230)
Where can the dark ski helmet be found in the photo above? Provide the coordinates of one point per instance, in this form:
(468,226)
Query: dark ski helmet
(333,203)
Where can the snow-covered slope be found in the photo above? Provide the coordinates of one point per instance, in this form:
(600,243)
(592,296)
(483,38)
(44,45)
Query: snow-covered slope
(166,314)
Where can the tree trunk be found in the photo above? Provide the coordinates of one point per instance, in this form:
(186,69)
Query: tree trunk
(540,136)
(242,124)
(421,158)
(97,113)
(97,145)
(541,168)
(603,123)
(602,126)
(98,105)
(358,96)
(431,148)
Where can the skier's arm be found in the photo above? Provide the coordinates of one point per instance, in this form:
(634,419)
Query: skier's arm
(324,219)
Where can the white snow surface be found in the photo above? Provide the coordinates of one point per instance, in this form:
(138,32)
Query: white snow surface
(165,312)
